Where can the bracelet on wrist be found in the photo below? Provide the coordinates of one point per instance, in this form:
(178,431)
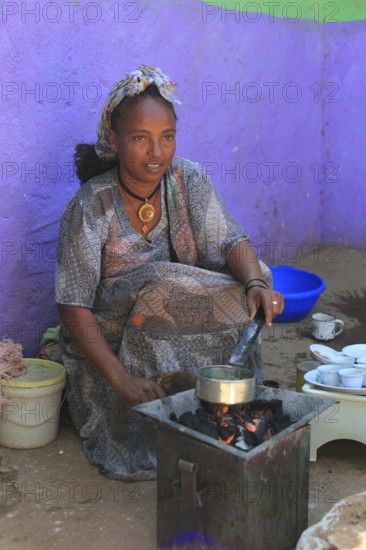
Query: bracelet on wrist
(260,280)
(255,286)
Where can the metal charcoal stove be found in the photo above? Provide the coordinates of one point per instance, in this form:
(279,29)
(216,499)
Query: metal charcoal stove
(239,499)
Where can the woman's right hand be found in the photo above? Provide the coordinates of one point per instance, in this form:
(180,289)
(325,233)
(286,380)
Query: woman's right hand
(136,390)
(133,389)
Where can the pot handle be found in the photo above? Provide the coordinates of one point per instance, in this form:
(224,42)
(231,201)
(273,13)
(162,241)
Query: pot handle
(340,323)
(251,333)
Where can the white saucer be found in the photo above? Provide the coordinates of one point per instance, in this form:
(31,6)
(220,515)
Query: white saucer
(313,378)
(357,350)
(322,353)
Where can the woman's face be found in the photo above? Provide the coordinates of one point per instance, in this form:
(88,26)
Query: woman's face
(145,141)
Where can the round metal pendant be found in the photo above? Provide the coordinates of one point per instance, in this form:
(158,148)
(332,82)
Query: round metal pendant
(146,213)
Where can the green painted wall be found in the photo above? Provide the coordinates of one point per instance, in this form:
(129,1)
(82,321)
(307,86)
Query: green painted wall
(323,11)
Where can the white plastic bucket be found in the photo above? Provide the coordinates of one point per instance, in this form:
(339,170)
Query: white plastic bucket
(31,415)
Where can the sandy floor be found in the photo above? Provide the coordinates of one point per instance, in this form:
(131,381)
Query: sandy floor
(53,498)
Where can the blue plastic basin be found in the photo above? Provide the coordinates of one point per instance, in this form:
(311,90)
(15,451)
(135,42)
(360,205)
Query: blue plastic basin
(301,290)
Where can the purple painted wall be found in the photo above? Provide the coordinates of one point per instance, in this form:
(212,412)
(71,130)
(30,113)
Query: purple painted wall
(255,112)
(343,219)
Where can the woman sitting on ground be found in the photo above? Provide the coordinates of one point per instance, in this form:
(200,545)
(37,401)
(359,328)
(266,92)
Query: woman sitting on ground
(153,275)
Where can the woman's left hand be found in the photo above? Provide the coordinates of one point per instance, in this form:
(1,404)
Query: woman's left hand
(273,303)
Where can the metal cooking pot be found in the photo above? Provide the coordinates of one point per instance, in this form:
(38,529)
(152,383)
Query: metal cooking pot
(231,384)
(225,384)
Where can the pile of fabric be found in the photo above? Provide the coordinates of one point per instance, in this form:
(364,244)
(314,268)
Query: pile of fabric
(11,363)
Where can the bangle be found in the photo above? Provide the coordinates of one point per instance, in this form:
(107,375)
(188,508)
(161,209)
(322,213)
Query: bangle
(261,280)
(253,286)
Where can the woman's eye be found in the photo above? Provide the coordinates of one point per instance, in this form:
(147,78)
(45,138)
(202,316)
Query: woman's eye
(170,138)
(139,138)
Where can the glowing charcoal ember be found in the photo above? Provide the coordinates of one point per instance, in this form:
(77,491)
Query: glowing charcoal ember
(247,425)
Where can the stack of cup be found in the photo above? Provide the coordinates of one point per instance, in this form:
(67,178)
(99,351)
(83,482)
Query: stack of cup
(349,377)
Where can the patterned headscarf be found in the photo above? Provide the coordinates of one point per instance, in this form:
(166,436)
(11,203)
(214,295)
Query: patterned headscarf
(135,83)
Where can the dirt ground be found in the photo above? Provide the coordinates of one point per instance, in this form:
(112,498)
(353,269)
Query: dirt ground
(51,497)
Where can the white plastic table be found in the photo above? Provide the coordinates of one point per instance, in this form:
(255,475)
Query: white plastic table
(343,420)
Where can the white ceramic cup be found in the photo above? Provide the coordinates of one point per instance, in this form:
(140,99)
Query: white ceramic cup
(363,368)
(352,377)
(344,362)
(329,374)
(325,326)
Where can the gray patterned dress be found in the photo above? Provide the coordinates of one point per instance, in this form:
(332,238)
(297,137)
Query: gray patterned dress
(157,315)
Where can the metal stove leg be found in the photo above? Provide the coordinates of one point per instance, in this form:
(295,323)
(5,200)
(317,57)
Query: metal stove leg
(188,483)
(186,492)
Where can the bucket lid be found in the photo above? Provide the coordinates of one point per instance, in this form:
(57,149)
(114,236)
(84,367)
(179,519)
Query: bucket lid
(40,372)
